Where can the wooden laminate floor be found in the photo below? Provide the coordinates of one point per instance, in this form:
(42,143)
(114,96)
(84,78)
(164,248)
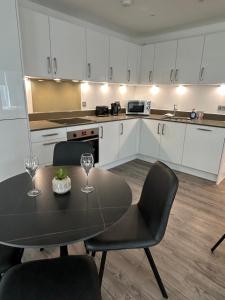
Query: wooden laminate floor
(186,265)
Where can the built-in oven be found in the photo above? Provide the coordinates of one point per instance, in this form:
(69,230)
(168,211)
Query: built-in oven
(138,107)
(90,136)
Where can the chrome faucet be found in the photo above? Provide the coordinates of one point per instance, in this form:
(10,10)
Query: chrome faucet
(174,110)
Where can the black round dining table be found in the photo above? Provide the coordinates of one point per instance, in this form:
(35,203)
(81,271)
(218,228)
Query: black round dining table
(58,220)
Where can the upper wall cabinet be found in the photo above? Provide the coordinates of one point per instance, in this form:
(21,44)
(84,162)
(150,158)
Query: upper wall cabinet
(35,43)
(68,49)
(12,101)
(147,64)
(97,56)
(133,53)
(188,62)
(165,60)
(117,60)
(213,61)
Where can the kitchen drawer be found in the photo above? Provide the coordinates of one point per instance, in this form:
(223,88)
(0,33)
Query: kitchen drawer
(203,148)
(44,151)
(48,135)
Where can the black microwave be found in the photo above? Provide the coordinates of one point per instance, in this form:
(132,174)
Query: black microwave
(138,107)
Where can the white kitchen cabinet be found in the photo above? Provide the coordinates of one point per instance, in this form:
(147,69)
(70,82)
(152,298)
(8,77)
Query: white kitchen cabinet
(203,148)
(108,142)
(43,143)
(117,60)
(12,101)
(68,49)
(172,141)
(128,138)
(147,64)
(164,63)
(150,138)
(213,61)
(14,147)
(132,62)
(97,56)
(35,43)
(188,62)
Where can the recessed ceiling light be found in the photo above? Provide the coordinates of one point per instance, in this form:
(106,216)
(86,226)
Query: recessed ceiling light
(126,3)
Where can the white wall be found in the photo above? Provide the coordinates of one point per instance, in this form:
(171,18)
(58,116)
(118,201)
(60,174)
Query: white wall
(204,98)
(95,96)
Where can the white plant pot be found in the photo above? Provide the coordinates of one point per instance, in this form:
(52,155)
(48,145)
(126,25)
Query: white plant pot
(61,186)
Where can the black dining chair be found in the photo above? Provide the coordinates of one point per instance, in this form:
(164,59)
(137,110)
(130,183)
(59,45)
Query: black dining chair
(70,278)
(69,154)
(145,223)
(9,257)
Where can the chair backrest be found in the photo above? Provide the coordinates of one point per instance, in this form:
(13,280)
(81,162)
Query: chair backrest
(157,197)
(69,153)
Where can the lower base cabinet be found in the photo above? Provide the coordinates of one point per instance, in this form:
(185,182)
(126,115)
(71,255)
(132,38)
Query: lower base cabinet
(150,138)
(128,138)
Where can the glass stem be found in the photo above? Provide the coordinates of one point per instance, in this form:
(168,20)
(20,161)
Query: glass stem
(33,183)
(87,179)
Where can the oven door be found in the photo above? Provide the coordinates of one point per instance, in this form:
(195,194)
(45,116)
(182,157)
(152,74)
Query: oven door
(136,107)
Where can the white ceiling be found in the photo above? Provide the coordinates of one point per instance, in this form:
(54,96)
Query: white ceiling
(144,17)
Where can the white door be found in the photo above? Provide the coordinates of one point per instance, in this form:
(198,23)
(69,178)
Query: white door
(128,138)
(147,64)
(132,63)
(164,65)
(14,147)
(203,148)
(68,50)
(189,57)
(117,60)
(213,61)
(12,100)
(108,143)
(172,142)
(35,43)
(97,56)
(150,138)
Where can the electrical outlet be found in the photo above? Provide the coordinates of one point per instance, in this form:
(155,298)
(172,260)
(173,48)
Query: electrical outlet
(221,107)
(84,103)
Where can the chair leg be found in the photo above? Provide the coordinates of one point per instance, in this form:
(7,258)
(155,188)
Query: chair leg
(93,253)
(63,251)
(156,273)
(102,266)
(218,243)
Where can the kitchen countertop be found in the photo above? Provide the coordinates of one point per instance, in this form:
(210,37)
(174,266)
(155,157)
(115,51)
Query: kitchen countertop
(45,124)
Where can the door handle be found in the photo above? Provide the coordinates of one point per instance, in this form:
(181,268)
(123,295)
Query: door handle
(204,129)
(50,134)
(89,70)
(55,65)
(159,126)
(51,143)
(111,74)
(49,65)
(163,129)
(121,132)
(171,75)
(102,132)
(129,73)
(202,73)
(176,75)
(150,76)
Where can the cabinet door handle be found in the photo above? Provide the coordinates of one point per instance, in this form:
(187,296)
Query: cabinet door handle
(159,126)
(176,75)
(121,132)
(150,76)
(49,65)
(51,143)
(204,129)
(89,70)
(49,134)
(111,74)
(202,73)
(102,132)
(163,129)
(129,73)
(55,65)
(171,75)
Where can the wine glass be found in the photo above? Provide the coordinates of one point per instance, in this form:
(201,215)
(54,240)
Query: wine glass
(31,166)
(87,162)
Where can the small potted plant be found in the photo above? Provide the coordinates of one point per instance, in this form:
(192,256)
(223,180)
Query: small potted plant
(61,183)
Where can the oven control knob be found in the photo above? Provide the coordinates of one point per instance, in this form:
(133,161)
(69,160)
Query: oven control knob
(74,135)
(92,132)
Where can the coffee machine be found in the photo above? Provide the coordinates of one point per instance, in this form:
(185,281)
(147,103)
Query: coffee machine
(115,108)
